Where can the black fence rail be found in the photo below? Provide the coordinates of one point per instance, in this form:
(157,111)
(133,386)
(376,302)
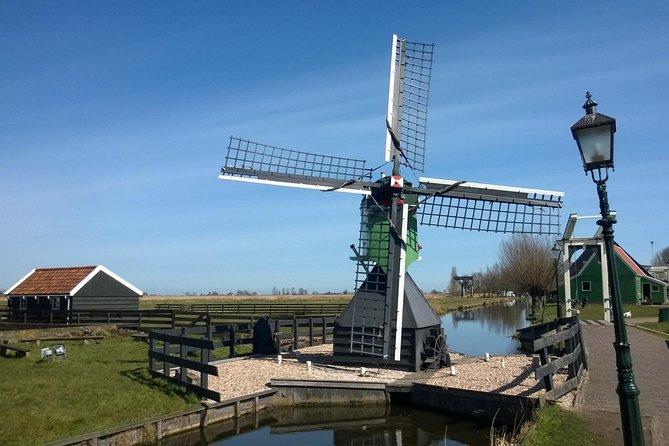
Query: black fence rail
(560,348)
(306,329)
(267,309)
(144,320)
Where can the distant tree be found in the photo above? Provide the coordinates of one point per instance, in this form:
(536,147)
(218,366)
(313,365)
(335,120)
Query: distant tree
(302,291)
(662,257)
(527,265)
(453,286)
(275,291)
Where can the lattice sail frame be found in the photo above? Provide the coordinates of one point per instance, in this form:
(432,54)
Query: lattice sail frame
(409,91)
(489,216)
(248,158)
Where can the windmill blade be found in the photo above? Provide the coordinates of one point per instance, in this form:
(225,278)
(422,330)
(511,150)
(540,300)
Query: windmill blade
(252,162)
(408,94)
(489,207)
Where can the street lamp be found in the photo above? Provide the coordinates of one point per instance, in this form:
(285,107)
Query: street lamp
(594,135)
(556,251)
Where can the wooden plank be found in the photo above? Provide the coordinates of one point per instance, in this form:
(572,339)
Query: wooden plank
(200,391)
(187,363)
(553,338)
(566,387)
(551,367)
(175,339)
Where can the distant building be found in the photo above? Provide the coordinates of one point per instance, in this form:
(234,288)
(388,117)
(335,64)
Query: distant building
(659,272)
(58,290)
(637,285)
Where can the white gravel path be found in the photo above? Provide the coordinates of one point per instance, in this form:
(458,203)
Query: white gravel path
(250,375)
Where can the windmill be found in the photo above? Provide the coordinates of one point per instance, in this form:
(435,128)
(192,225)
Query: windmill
(389,321)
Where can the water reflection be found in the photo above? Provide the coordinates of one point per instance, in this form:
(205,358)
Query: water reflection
(340,426)
(487,329)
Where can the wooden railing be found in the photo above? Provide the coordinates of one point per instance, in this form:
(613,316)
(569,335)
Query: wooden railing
(307,327)
(143,319)
(558,349)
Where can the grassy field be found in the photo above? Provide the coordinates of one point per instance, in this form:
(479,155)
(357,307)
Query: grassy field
(596,311)
(555,426)
(97,386)
(441,304)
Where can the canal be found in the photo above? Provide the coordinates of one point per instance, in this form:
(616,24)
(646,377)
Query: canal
(377,425)
(486,329)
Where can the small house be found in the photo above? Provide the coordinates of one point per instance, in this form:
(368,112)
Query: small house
(637,286)
(48,292)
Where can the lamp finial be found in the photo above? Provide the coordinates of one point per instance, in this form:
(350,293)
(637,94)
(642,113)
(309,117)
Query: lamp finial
(590,105)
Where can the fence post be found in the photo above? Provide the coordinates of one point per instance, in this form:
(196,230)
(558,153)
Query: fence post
(107,317)
(152,347)
(78,318)
(233,341)
(311,331)
(295,325)
(51,317)
(204,377)
(166,352)
(139,321)
(182,354)
(174,319)
(25,316)
(548,379)
(324,330)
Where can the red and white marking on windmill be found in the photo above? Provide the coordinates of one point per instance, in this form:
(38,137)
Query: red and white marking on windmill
(397,182)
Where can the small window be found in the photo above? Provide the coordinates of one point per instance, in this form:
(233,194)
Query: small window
(55,302)
(586,286)
(23,303)
(655,288)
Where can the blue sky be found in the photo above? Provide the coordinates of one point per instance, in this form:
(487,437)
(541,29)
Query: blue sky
(114,119)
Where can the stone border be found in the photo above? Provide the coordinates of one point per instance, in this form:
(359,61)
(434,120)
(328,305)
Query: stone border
(149,431)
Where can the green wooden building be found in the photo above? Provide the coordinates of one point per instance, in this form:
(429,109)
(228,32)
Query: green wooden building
(637,285)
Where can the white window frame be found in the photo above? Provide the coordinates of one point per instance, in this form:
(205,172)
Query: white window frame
(55,302)
(23,303)
(589,286)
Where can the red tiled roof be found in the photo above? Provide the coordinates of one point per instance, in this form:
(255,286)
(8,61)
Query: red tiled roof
(52,280)
(629,261)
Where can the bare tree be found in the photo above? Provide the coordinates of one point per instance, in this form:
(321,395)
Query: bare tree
(453,287)
(662,257)
(527,265)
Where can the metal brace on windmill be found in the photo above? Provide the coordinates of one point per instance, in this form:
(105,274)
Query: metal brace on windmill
(389,322)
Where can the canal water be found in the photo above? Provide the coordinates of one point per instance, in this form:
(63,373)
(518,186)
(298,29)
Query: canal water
(341,426)
(486,329)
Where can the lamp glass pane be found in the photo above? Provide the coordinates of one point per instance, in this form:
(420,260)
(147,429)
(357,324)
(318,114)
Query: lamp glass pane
(595,143)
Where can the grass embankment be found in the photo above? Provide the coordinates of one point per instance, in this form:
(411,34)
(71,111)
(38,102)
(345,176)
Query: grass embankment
(596,311)
(98,386)
(555,426)
(659,328)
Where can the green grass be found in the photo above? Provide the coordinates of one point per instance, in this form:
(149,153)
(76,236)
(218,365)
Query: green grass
(596,311)
(98,386)
(557,426)
(443,305)
(662,327)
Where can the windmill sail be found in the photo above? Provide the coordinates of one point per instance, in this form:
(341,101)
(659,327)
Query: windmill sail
(408,94)
(253,162)
(489,207)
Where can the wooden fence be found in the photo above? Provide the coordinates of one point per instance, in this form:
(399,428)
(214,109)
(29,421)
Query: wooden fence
(144,320)
(558,349)
(264,308)
(305,327)
(174,352)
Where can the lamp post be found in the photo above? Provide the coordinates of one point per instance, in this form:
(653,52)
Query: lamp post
(594,136)
(556,251)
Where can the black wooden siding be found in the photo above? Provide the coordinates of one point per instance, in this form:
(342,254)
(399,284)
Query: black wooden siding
(103,292)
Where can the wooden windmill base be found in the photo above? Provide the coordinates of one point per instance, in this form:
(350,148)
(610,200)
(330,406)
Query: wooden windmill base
(423,342)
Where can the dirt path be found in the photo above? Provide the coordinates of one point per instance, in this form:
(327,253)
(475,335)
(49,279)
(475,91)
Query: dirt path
(650,357)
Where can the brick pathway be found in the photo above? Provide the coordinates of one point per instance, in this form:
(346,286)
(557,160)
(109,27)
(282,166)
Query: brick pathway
(650,357)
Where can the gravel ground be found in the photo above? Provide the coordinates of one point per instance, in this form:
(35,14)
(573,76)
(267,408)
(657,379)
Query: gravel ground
(250,375)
